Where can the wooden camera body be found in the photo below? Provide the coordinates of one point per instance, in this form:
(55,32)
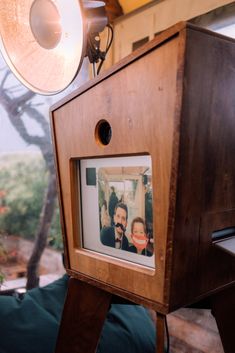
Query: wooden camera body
(172,100)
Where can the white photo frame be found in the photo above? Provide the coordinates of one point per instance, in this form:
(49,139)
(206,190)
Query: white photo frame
(131,180)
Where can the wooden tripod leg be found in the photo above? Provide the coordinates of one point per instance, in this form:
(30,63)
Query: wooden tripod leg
(223,309)
(83,317)
(160,329)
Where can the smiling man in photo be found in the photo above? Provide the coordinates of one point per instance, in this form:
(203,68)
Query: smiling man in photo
(115,236)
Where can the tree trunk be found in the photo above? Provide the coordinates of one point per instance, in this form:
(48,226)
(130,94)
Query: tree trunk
(42,233)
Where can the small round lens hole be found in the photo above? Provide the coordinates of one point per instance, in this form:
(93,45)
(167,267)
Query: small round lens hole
(103,132)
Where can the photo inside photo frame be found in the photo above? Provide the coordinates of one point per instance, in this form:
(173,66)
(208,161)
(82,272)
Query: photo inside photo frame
(117,207)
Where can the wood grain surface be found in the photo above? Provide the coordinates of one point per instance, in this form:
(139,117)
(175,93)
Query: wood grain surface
(173,99)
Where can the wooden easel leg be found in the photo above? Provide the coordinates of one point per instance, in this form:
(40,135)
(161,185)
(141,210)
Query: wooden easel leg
(160,328)
(83,317)
(223,309)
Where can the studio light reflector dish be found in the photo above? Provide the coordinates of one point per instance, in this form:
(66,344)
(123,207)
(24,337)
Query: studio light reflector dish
(43,42)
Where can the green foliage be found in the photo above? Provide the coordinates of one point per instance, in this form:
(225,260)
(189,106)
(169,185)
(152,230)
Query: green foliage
(55,238)
(2,277)
(3,254)
(24,180)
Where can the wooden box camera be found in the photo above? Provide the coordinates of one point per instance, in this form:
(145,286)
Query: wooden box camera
(171,103)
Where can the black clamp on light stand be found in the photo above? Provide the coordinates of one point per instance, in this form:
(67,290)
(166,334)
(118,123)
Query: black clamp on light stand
(96,21)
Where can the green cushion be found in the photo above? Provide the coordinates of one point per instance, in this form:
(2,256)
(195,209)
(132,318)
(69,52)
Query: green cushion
(129,329)
(31,325)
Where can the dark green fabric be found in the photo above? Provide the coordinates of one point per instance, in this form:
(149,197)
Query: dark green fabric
(31,325)
(127,329)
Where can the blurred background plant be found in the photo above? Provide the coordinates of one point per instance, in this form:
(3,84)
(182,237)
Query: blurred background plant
(27,182)
(1,278)
(22,202)
(3,257)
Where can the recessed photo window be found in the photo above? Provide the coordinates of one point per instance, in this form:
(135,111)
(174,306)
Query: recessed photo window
(117,207)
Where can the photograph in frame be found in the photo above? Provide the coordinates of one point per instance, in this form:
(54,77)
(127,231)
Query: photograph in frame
(117,207)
